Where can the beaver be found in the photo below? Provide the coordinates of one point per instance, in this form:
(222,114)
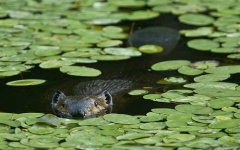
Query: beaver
(90,98)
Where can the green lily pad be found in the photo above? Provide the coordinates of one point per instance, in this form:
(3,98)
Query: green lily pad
(220,103)
(26,82)
(121,119)
(202,44)
(186,108)
(202,31)
(138,92)
(225,124)
(40,143)
(186,70)
(9,73)
(178,138)
(217,92)
(132,136)
(231,69)
(153,126)
(54,64)
(170,65)
(122,51)
(47,52)
(110,57)
(234,56)
(80,71)
(41,129)
(196,19)
(151,117)
(212,77)
(152,96)
(109,43)
(50,120)
(94,121)
(150,49)
(218,85)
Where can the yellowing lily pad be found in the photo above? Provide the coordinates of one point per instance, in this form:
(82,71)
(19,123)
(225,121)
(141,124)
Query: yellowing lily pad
(26,82)
(150,49)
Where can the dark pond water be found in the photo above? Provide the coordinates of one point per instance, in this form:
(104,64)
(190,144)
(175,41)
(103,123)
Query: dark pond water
(38,98)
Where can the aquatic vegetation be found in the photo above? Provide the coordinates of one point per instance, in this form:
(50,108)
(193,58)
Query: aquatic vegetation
(69,34)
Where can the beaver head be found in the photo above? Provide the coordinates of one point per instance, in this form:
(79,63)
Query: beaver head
(81,106)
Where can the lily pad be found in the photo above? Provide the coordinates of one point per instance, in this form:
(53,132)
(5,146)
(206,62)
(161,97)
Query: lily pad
(194,109)
(132,136)
(121,119)
(26,82)
(204,64)
(221,124)
(80,71)
(122,51)
(138,92)
(202,44)
(41,129)
(54,64)
(110,57)
(186,70)
(170,65)
(196,19)
(150,49)
(231,69)
(212,77)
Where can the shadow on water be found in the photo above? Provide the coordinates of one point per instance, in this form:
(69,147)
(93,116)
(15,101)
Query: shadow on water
(38,98)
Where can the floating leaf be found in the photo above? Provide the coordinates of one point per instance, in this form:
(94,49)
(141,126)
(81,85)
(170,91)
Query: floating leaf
(153,126)
(178,138)
(121,118)
(225,124)
(150,49)
(170,65)
(138,92)
(202,44)
(196,19)
(186,70)
(194,109)
(218,85)
(26,82)
(204,64)
(220,103)
(122,51)
(41,129)
(110,57)
(217,92)
(80,71)
(132,136)
(224,69)
(211,77)
(94,121)
(54,64)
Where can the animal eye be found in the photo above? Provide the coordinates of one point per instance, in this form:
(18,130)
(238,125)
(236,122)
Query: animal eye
(96,104)
(63,105)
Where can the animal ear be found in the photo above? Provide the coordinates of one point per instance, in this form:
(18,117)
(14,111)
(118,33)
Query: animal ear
(57,96)
(107,96)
